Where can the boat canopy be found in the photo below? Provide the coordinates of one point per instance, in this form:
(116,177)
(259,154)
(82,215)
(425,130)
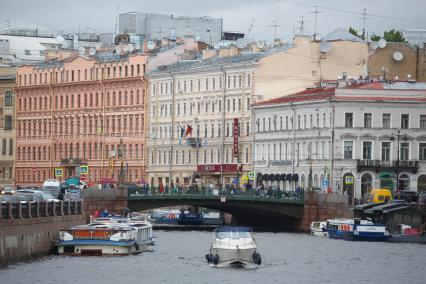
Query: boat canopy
(233,229)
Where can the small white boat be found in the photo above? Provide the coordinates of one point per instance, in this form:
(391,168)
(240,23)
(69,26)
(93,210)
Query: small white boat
(318,228)
(106,236)
(234,246)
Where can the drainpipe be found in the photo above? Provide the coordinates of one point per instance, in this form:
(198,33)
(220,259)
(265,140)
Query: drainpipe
(294,140)
(51,128)
(172,129)
(332,148)
(103,124)
(223,126)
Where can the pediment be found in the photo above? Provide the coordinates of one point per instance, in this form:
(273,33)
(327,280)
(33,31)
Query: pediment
(348,136)
(367,136)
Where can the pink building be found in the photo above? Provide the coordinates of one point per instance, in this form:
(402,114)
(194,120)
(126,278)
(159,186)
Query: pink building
(74,112)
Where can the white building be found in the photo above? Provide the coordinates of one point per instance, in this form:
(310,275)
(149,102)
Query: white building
(347,135)
(159,26)
(206,95)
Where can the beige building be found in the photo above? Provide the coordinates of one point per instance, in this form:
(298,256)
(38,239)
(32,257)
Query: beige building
(309,62)
(208,96)
(7,125)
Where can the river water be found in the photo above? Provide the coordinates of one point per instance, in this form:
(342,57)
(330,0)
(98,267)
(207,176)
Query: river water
(179,257)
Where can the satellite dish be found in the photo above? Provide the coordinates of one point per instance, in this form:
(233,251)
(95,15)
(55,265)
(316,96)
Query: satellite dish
(150,45)
(325,46)
(130,48)
(382,43)
(59,39)
(92,51)
(397,56)
(81,50)
(374,45)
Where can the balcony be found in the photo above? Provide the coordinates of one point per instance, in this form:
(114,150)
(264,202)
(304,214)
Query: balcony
(396,166)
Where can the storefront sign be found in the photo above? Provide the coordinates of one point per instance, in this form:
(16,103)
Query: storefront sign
(58,172)
(217,168)
(84,170)
(251,175)
(349,180)
(235,152)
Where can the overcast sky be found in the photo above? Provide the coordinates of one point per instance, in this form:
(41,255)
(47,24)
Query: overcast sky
(237,15)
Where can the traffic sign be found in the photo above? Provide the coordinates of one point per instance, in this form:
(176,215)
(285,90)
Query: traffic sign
(84,170)
(244,179)
(58,172)
(251,175)
(324,183)
(349,180)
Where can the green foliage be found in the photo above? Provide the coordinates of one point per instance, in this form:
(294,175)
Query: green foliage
(354,32)
(393,36)
(375,37)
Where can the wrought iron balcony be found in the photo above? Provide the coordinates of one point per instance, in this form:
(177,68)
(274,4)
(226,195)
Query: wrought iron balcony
(396,166)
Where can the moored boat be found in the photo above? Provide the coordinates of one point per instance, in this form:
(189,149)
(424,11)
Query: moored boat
(318,228)
(106,236)
(356,230)
(234,246)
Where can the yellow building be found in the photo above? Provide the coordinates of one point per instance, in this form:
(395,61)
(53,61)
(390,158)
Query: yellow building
(7,125)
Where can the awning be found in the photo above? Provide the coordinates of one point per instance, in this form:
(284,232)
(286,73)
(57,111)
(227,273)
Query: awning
(259,177)
(295,177)
(271,176)
(277,177)
(288,177)
(265,177)
(384,175)
(282,176)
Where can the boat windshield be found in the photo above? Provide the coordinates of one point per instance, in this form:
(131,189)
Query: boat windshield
(233,235)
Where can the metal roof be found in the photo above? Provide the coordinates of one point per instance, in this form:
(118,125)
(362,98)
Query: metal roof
(341,34)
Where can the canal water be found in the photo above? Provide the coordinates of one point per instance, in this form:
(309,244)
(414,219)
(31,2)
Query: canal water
(179,257)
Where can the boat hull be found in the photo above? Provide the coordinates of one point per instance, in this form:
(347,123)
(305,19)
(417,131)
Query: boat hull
(98,248)
(234,256)
(350,236)
(318,233)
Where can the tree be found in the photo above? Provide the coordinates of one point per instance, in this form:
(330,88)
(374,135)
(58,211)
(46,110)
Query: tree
(393,36)
(390,36)
(375,37)
(355,33)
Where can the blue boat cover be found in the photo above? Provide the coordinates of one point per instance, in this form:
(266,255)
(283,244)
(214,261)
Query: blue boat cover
(234,229)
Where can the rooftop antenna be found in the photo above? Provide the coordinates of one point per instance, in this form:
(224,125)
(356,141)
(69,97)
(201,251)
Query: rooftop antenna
(316,17)
(301,25)
(364,13)
(116,20)
(251,27)
(275,25)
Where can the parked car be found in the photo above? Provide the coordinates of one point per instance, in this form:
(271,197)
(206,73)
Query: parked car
(53,187)
(35,195)
(407,195)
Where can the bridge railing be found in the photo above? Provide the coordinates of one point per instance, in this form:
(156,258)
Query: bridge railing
(203,192)
(28,210)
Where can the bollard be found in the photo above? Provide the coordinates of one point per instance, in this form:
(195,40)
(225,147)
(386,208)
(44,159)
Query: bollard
(9,210)
(20,211)
(38,209)
(46,209)
(62,208)
(54,208)
(69,207)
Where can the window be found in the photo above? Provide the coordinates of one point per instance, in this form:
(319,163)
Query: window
(405,119)
(366,150)
(3,151)
(348,149)
(10,147)
(404,151)
(8,98)
(349,121)
(423,121)
(367,120)
(422,151)
(7,122)
(385,151)
(386,120)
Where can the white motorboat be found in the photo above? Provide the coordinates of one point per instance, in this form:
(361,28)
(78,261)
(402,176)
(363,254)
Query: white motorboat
(234,246)
(106,236)
(318,229)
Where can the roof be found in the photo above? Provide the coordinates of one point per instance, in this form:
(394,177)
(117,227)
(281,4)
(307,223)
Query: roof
(399,85)
(208,63)
(307,95)
(341,34)
(415,37)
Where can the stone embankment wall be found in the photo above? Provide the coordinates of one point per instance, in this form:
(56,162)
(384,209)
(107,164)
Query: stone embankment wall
(114,200)
(322,206)
(21,239)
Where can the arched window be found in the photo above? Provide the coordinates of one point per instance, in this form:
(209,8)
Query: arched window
(421,183)
(366,185)
(302,181)
(8,98)
(404,182)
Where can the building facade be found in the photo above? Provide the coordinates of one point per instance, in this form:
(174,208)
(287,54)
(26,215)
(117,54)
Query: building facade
(345,138)
(193,108)
(81,112)
(159,26)
(7,125)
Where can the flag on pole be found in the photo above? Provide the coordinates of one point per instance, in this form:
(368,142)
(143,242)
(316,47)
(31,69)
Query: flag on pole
(188,130)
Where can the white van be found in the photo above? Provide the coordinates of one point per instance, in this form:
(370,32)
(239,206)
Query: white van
(52,186)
